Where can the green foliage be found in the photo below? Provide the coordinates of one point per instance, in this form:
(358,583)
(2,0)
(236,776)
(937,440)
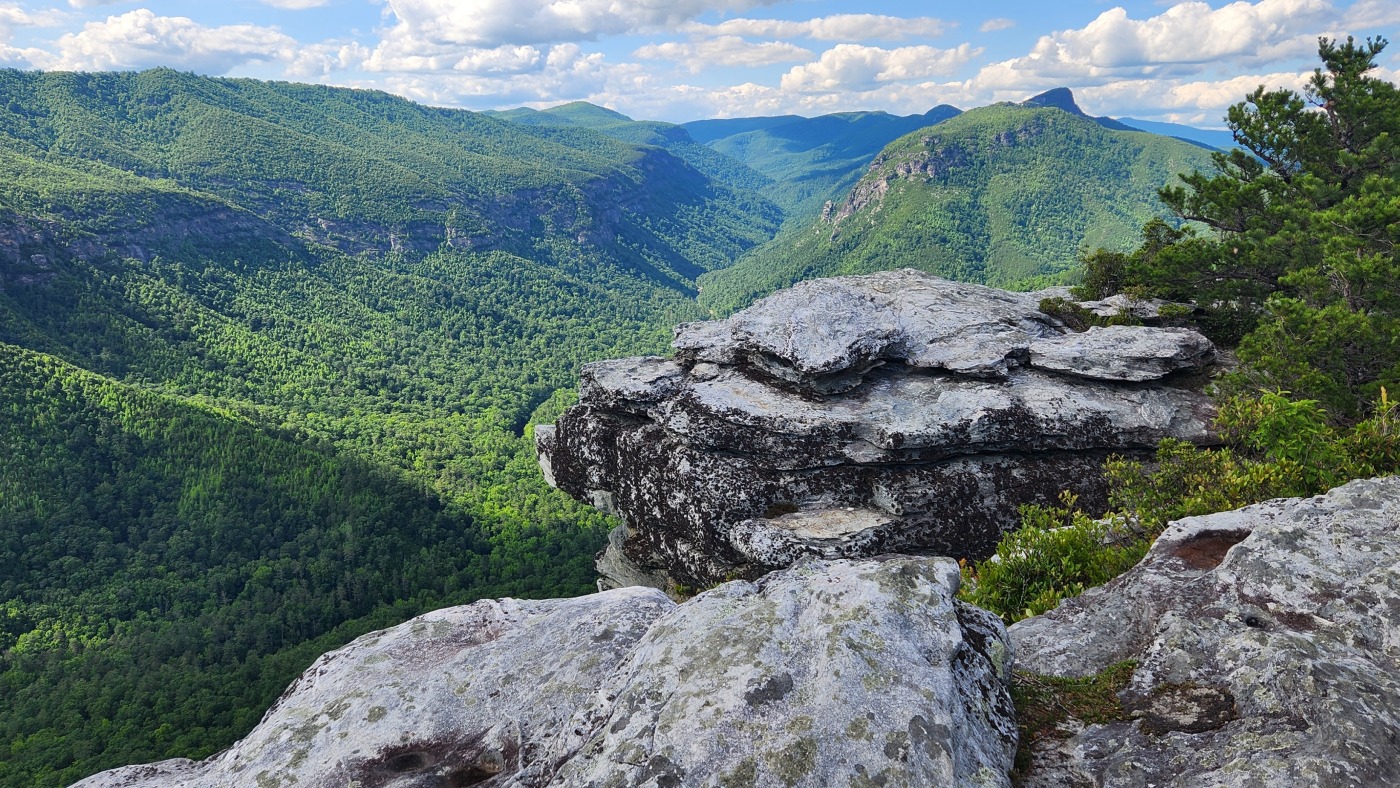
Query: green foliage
(1297,261)
(1277,447)
(1057,553)
(1080,319)
(1001,195)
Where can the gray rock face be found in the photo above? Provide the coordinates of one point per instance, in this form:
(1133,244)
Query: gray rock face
(839,673)
(1124,353)
(1268,649)
(454,697)
(896,411)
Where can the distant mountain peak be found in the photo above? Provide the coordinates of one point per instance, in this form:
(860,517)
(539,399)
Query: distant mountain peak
(1059,98)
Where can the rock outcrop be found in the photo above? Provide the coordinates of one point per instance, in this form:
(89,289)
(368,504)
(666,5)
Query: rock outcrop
(830,673)
(861,415)
(1267,643)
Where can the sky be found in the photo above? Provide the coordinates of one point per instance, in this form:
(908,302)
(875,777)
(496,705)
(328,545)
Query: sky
(680,60)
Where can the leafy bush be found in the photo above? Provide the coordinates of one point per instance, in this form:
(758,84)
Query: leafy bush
(1057,553)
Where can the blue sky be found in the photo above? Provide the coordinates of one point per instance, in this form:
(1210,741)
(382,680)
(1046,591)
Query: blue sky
(686,59)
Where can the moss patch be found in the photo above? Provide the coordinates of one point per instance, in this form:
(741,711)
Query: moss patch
(1045,703)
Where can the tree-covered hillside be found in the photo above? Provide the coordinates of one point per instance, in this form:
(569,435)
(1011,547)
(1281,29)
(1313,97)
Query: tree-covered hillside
(810,160)
(270,355)
(1004,195)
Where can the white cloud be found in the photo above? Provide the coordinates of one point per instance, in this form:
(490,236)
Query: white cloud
(93,3)
(852,67)
(723,51)
(140,39)
(837,27)
(999,23)
(491,23)
(1187,38)
(295,5)
(1371,14)
(1202,100)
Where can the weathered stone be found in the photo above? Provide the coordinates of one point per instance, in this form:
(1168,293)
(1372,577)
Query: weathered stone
(841,673)
(1268,650)
(454,697)
(821,334)
(1124,353)
(849,673)
(899,395)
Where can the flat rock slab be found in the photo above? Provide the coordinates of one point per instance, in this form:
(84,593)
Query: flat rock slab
(814,332)
(1268,649)
(1123,353)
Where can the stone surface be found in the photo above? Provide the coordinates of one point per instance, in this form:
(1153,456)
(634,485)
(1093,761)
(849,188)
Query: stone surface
(1124,353)
(1268,650)
(840,673)
(907,400)
(455,697)
(829,673)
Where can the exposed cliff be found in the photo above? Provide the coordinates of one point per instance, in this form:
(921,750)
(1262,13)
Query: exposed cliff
(861,415)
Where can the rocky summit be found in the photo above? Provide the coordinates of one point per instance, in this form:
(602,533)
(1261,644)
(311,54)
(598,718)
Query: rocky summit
(861,415)
(830,673)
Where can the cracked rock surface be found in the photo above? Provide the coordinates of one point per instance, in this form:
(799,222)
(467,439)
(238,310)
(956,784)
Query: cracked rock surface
(829,673)
(898,410)
(1268,650)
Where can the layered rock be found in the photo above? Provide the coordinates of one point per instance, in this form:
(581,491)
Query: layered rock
(860,415)
(1267,643)
(830,673)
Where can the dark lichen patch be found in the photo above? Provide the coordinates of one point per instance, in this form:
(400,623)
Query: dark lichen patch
(1044,704)
(1207,549)
(774,688)
(1188,708)
(438,762)
(662,769)
(376,713)
(795,762)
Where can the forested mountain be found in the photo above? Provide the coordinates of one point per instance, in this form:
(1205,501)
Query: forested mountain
(270,354)
(810,160)
(669,136)
(1006,195)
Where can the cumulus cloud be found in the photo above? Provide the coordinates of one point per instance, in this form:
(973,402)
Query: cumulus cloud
(1197,101)
(853,67)
(1367,15)
(999,23)
(295,5)
(141,39)
(723,51)
(491,23)
(1186,38)
(837,27)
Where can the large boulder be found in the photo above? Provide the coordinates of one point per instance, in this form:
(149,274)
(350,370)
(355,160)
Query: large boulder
(853,416)
(455,697)
(829,673)
(1267,643)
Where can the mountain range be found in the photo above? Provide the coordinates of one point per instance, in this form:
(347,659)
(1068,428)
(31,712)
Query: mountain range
(271,354)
